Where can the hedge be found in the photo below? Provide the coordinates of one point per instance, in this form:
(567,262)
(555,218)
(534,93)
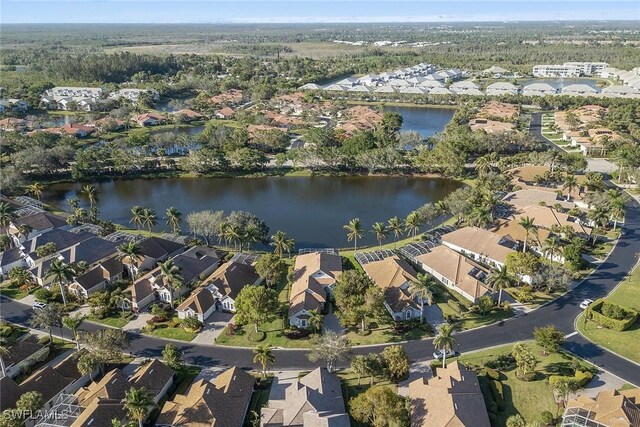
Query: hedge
(498,393)
(492,373)
(581,378)
(596,315)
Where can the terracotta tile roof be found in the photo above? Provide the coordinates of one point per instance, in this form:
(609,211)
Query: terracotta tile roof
(499,110)
(312,273)
(465,274)
(482,242)
(226,112)
(609,408)
(512,228)
(533,196)
(188,113)
(451,399)
(220,403)
(490,126)
(547,217)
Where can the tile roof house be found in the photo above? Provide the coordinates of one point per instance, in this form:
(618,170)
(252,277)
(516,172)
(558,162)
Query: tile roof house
(155,249)
(11,258)
(315,275)
(394,275)
(547,217)
(502,88)
(200,304)
(225,113)
(490,126)
(451,398)
(539,89)
(610,408)
(149,119)
(456,272)
(480,245)
(97,278)
(221,403)
(227,281)
(313,400)
(188,115)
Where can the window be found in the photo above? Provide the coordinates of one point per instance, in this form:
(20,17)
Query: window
(303,323)
(408,315)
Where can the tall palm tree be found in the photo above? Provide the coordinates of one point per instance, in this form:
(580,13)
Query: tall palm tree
(251,236)
(381,231)
(570,184)
(130,253)
(551,247)
(413,222)
(444,341)
(442,209)
(7,215)
(138,403)
(599,216)
(315,320)
(174,218)
(282,243)
(35,190)
(24,230)
(499,279)
(136,216)
(421,289)
(529,227)
(93,194)
(233,234)
(263,356)
(171,277)
(483,165)
(355,231)
(480,216)
(149,218)
(73,203)
(615,202)
(396,226)
(73,323)
(61,273)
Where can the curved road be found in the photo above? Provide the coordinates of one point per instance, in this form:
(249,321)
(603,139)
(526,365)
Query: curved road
(561,312)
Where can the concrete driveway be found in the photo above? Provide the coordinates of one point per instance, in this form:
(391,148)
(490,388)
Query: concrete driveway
(433,315)
(138,323)
(213,328)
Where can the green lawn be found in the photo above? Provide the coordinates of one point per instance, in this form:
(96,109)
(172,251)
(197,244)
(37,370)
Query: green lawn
(386,334)
(9,290)
(625,343)
(529,399)
(163,330)
(113,321)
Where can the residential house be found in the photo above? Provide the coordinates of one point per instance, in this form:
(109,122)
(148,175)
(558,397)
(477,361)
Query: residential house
(194,264)
(610,408)
(394,275)
(579,90)
(200,304)
(539,89)
(223,402)
(11,258)
(133,94)
(496,72)
(97,278)
(490,126)
(154,250)
(534,196)
(501,111)
(451,398)
(24,354)
(463,86)
(310,86)
(188,115)
(149,119)
(226,283)
(315,275)
(225,113)
(456,272)
(232,97)
(502,88)
(480,245)
(13,105)
(77,130)
(313,400)
(62,239)
(549,218)
(39,223)
(10,393)
(155,377)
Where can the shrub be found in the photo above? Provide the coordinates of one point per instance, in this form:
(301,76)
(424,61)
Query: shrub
(492,373)
(597,314)
(296,333)
(5,331)
(497,393)
(191,324)
(493,419)
(546,417)
(455,305)
(44,340)
(257,336)
(232,329)
(43,295)
(504,362)
(434,365)
(583,377)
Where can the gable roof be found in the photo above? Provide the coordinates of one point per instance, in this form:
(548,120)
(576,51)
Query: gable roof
(61,238)
(231,277)
(21,350)
(547,217)
(610,408)
(41,221)
(101,272)
(112,386)
(482,242)
(390,274)
(200,301)
(10,393)
(100,413)
(451,398)
(312,273)
(220,403)
(153,376)
(156,247)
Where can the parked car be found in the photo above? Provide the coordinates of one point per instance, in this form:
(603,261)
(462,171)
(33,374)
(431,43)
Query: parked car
(438,353)
(584,304)
(38,305)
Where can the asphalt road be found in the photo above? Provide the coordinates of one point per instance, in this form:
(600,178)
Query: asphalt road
(561,312)
(535,129)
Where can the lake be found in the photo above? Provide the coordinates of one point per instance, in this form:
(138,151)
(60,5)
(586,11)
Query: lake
(312,210)
(425,120)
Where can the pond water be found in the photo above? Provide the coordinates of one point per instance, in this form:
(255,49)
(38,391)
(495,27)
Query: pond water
(172,104)
(312,210)
(425,120)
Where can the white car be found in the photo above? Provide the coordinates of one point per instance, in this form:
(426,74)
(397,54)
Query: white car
(438,354)
(584,304)
(39,305)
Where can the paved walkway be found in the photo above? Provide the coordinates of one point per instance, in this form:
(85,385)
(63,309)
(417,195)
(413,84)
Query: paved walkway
(330,322)
(213,327)
(600,382)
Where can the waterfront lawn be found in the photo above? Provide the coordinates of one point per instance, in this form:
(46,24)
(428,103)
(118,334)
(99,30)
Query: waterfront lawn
(625,343)
(529,399)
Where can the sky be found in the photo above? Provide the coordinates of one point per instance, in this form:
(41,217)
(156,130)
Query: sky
(277,11)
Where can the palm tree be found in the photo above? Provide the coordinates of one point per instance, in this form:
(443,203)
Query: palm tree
(444,341)
(551,247)
(480,216)
(136,216)
(442,209)
(396,226)
(24,230)
(130,253)
(171,277)
(615,202)
(73,323)
(281,243)
(381,232)
(7,215)
(174,218)
(570,184)
(315,320)
(599,216)
(421,290)
(355,231)
(413,222)
(263,356)
(35,190)
(499,279)
(73,203)
(137,403)
(483,165)
(61,273)
(232,234)
(529,226)
(93,194)
(149,218)
(251,235)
